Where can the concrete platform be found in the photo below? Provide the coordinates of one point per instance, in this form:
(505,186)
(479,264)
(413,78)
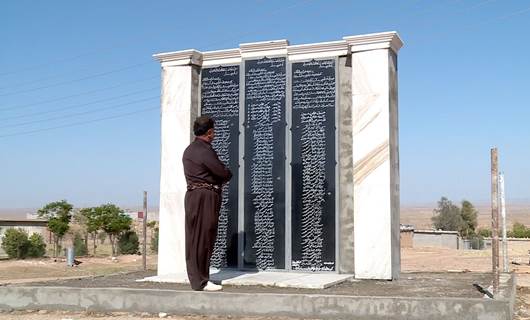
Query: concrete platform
(422,296)
(262,278)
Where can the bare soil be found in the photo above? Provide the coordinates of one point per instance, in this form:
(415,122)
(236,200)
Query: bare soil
(31,270)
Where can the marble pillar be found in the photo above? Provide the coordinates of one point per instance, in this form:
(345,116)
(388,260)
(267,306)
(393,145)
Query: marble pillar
(346,201)
(179,107)
(375,156)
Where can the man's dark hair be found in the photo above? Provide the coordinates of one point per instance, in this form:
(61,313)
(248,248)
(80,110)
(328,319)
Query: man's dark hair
(202,125)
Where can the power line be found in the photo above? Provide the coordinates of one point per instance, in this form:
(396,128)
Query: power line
(78,123)
(480,24)
(111,48)
(76,95)
(75,106)
(40,80)
(77,80)
(135,65)
(241,35)
(508,15)
(77,114)
(97,75)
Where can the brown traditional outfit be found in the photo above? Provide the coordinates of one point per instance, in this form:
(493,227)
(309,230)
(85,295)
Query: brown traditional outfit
(205,175)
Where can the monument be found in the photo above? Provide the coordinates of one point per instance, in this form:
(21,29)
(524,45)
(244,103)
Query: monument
(311,134)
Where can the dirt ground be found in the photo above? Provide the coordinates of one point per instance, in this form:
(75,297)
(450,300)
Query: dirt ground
(31,270)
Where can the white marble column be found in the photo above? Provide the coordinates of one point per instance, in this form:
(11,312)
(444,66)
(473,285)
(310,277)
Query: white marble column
(375,155)
(178,111)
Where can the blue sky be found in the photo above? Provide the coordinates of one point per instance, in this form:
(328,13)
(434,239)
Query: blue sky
(79,90)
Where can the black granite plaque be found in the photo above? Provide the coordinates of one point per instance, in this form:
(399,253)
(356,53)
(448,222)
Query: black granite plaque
(265,81)
(313,165)
(220,100)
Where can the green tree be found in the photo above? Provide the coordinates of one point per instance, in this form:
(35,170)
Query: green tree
(151,225)
(519,230)
(114,222)
(15,243)
(92,223)
(81,222)
(128,243)
(154,240)
(448,216)
(102,236)
(80,248)
(469,218)
(484,232)
(58,214)
(37,246)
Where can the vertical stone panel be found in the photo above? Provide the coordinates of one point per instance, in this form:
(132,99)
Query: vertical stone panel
(346,219)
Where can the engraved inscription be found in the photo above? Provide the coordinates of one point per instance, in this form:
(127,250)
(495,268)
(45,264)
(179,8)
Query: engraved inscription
(265,81)
(313,101)
(220,100)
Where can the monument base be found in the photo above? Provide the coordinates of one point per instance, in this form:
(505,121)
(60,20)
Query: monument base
(301,280)
(416,296)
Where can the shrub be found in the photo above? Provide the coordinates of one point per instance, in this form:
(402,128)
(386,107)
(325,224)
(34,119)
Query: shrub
(37,246)
(128,243)
(484,232)
(15,243)
(80,248)
(154,241)
(519,230)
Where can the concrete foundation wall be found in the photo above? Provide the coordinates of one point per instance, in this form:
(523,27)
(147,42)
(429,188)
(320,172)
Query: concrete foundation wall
(435,239)
(249,304)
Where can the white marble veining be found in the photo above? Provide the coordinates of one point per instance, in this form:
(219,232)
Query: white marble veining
(176,128)
(372,171)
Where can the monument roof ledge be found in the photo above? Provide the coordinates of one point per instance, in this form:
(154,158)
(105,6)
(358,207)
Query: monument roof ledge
(373,41)
(182,57)
(221,54)
(273,45)
(339,45)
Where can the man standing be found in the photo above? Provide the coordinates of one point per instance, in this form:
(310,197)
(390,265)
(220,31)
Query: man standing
(205,176)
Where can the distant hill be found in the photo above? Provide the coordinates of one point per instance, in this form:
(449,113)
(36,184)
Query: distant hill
(420,216)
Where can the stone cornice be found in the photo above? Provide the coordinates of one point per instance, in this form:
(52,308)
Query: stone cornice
(263,48)
(365,42)
(179,58)
(373,41)
(320,47)
(221,54)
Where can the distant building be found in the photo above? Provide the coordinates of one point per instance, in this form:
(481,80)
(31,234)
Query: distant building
(29,225)
(411,238)
(436,238)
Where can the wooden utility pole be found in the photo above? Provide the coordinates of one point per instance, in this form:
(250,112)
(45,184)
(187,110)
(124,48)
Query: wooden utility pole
(144,251)
(503,216)
(495,219)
